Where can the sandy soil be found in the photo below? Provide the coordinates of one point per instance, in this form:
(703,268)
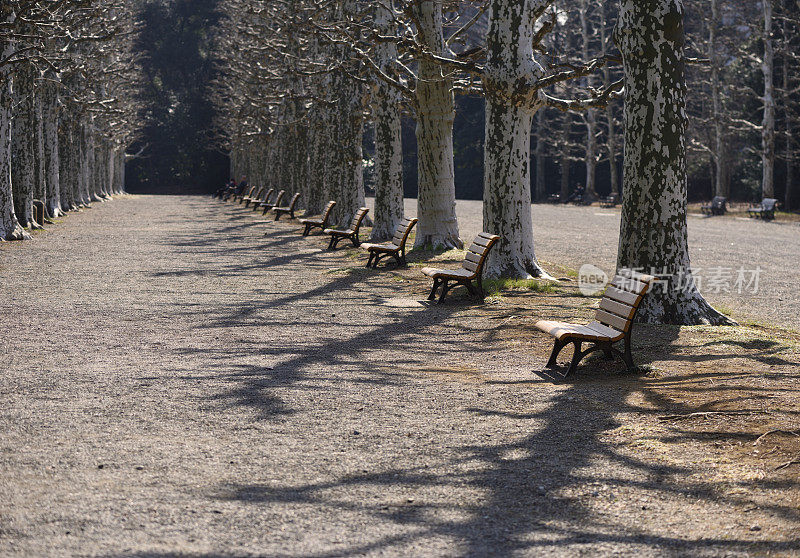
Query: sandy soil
(183,378)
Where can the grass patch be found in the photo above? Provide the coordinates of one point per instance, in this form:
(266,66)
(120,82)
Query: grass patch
(494,286)
(723,309)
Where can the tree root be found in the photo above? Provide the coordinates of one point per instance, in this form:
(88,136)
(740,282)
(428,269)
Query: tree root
(704,414)
(776,431)
(787,464)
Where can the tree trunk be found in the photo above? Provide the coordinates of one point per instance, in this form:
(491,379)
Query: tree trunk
(23,144)
(507,150)
(50,152)
(589,117)
(611,128)
(436,197)
(349,150)
(388,143)
(653,235)
(791,194)
(566,125)
(721,176)
(541,182)
(768,123)
(318,165)
(10,228)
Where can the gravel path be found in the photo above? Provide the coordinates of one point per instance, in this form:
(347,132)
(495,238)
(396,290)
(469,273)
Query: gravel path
(176,382)
(719,246)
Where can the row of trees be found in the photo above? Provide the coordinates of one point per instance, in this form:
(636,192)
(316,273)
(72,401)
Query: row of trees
(68,78)
(302,78)
(742,110)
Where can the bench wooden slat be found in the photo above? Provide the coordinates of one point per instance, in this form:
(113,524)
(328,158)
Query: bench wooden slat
(624,311)
(624,297)
(627,284)
(473,257)
(612,320)
(481,241)
(470,266)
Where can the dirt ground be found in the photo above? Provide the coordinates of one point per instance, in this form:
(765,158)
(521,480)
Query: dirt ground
(184,378)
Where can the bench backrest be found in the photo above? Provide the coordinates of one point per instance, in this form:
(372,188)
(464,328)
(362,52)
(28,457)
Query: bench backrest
(622,299)
(769,204)
(477,252)
(279,198)
(268,195)
(258,194)
(403,231)
(326,213)
(718,201)
(294,200)
(358,217)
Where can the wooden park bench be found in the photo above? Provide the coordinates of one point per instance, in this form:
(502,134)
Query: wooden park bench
(337,235)
(267,205)
(322,222)
(718,206)
(609,201)
(287,210)
(39,212)
(263,199)
(396,248)
(613,322)
(765,210)
(254,198)
(471,269)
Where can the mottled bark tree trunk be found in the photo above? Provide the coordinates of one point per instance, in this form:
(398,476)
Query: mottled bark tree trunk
(10,228)
(653,235)
(318,164)
(388,142)
(589,117)
(612,144)
(791,194)
(23,144)
(566,125)
(50,152)
(509,114)
(541,132)
(436,197)
(347,187)
(721,174)
(768,123)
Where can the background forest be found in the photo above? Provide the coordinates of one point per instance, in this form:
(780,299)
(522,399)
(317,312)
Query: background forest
(727,151)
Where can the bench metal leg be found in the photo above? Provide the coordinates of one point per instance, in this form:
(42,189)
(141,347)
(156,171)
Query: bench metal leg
(445,289)
(577,355)
(334,241)
(371,257)
(552,363)
(433,290)
(627,357)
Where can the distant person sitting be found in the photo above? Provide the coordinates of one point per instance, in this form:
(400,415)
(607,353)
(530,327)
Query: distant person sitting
(577,196)
(242,188)
(219,192)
